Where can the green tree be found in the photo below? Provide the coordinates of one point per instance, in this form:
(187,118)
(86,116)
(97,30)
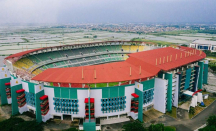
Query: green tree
(71,129)
(184,45)
(134,126)
(211,121)
(211,124)
(192,110)
(94,36)
(208,128)
(18,124)
(156,127)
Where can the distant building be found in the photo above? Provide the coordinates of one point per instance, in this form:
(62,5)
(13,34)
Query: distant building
(204,45)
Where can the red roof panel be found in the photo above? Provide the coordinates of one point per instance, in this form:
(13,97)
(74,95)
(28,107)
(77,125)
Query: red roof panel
(43,97)
(135,95)
(7,84)
(91,100)
(19,91)
(142,65)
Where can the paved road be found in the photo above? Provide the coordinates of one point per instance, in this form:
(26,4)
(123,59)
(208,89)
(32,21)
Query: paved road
(189,125)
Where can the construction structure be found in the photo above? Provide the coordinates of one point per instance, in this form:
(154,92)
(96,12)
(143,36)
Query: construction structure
(102,80)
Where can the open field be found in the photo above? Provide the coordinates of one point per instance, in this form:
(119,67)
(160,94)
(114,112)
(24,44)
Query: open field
(15,39)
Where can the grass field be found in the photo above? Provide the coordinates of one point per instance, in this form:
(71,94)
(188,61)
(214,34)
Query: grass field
(198,109)
(208,101)
(173,113)
(153,41)
(175,33)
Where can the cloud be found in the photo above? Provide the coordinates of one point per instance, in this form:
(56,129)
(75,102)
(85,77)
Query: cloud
(76,11)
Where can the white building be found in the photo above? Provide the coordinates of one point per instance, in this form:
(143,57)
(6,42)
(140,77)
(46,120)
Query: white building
(204,45)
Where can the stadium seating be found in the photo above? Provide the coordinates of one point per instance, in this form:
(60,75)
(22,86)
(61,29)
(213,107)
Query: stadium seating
(76,57)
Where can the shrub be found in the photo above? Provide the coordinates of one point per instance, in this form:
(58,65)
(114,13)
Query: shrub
(70,129)
(214,94)
(211,121)
(156,127)
(211,124)
(18,124)
(192,110)
(134,126)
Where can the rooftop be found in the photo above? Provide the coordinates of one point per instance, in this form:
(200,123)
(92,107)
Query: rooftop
(139,65)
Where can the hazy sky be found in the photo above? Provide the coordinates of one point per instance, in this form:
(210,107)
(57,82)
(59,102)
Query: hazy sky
(103,11)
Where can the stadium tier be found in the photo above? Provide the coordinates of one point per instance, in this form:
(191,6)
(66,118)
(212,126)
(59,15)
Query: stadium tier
(76,57)
(97,81)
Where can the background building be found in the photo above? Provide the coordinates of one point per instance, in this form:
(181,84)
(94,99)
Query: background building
(204,45)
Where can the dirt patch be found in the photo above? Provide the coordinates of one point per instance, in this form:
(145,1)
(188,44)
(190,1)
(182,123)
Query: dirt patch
(5,111)
(151,114)
(173,113)
(56,125)
(208,101)
(182,114)
(185,105)
(197,109)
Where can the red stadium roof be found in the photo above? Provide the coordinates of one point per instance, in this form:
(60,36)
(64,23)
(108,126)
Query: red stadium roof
(33,50)
(139,65)
(169,57)
(22,53)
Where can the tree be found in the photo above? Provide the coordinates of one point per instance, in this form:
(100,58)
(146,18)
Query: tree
(184,45)
(94,36)
(211,124)
(211,121)
(192,110)
(156,127)
(71,129)
(18,124)
(208,128)
(134,126)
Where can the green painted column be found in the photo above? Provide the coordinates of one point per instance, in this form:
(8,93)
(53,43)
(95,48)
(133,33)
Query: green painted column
(89,126)
(15,109)
(168,76)
(140,106)
(3,91)
(37,105)
(200,81)
(205,75)
(89,103)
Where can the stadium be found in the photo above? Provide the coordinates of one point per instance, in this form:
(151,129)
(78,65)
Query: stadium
(91,82)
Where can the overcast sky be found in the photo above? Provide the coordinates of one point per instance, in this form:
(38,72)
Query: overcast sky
(105,11)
